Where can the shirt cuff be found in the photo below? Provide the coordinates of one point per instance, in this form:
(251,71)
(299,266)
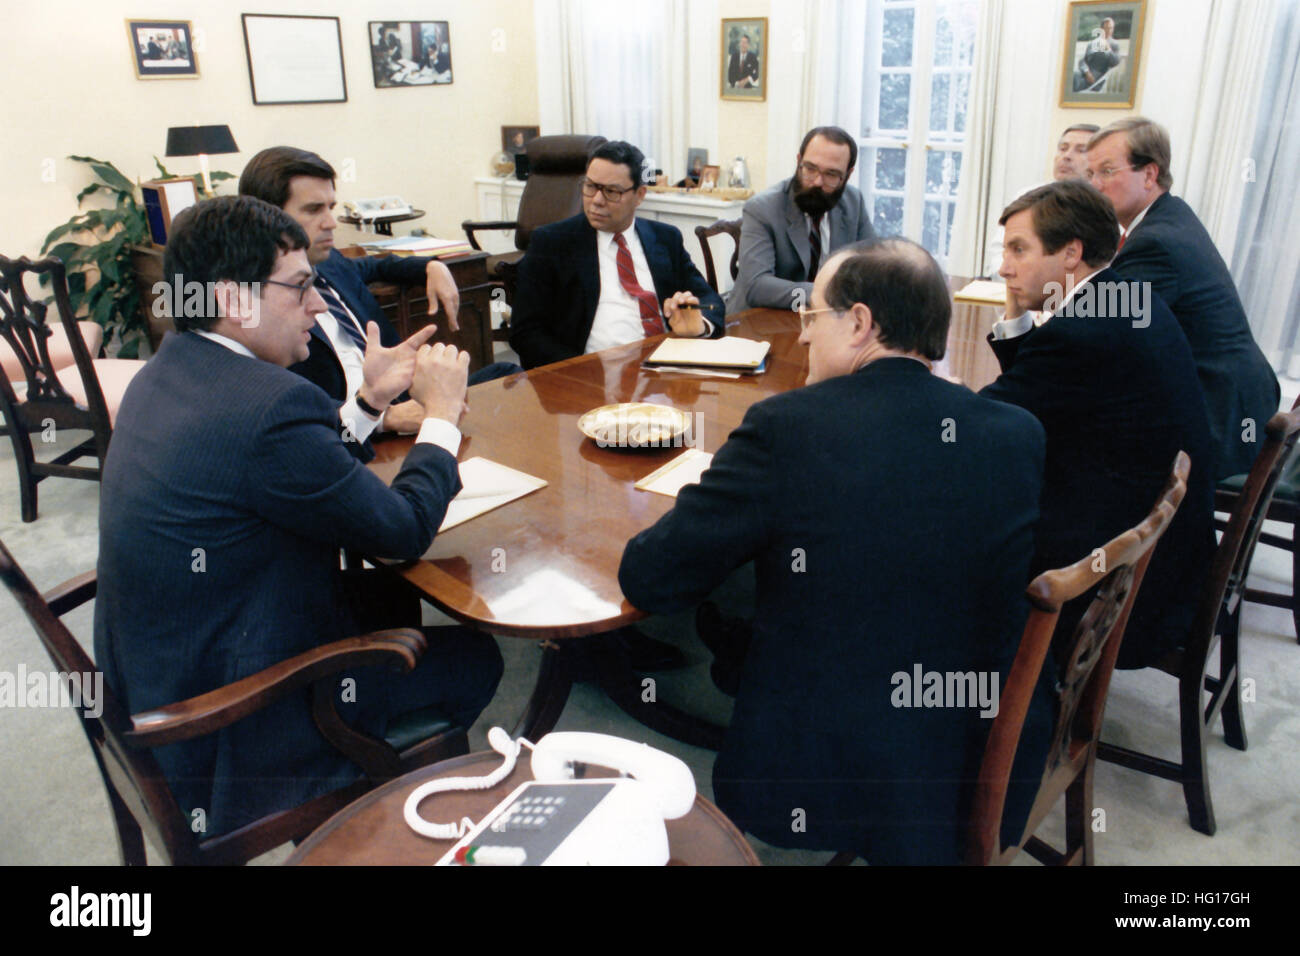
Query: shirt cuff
(440,432)
(1013,328)
(708,328)
(360,425)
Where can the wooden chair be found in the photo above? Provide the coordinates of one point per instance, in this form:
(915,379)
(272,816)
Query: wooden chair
(557,165)
(1218,620)
(1285,509)
(84,394)
(122,742)
(732,228)
(1089,661)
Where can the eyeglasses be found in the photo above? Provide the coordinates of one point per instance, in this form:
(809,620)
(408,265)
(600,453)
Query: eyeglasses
(831,177)
(302,287)
(612,193)
(1107,173)
(804,316)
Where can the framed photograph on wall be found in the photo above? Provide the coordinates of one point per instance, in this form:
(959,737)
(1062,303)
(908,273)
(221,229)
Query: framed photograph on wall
(415,53)
(294,59)
(514,139)
(743,63)
(162,48)
(1103,43)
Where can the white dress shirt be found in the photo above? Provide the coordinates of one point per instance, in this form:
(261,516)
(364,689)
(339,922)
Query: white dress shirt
(434,431)
(1019,325)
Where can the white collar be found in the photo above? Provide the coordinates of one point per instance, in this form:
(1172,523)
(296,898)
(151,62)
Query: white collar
(237,347)
(1138,218)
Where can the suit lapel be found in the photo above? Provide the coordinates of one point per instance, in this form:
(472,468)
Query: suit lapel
(797,229)
(657,258)
(588,267)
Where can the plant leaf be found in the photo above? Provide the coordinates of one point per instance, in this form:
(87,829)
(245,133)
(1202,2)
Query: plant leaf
(111,175)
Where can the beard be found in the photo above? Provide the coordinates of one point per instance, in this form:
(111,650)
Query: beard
(813,200)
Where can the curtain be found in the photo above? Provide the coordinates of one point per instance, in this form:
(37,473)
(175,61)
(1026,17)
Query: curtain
(1268,230)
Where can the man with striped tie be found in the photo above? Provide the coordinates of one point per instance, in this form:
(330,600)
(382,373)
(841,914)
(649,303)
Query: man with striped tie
(346,358)
(605,278)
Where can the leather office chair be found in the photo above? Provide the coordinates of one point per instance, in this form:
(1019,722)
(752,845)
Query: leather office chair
(122,743)
(732,228)
(83,394)
(1218,620)
(1085,679)
(552,192)
(1285,509)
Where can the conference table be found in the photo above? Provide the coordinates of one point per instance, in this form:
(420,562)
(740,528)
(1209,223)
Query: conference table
(545,566)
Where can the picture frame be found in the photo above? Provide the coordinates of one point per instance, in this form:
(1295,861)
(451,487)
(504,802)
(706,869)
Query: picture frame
(294,59)
(1103,48)
(164,200)
(410,53)
(742,65)
(514,139)
(709,177)
(162,49)
(696,160)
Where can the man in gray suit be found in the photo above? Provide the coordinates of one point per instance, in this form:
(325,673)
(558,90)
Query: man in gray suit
(791,228)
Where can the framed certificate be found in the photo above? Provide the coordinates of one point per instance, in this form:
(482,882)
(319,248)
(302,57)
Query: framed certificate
(294,59)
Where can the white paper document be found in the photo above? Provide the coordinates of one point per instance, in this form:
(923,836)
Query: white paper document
(683,470)
(726,352)
(983,291)
(487,485)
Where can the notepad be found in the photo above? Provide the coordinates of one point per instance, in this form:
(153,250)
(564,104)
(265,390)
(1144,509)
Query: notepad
(983,291)
(486,485)
(683,470)
(728,353)
(420,245)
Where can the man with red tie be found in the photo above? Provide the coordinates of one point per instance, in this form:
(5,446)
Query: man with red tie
(605,278)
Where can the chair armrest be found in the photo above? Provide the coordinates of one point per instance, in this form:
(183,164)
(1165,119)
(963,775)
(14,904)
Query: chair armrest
(470,226)
(220,708)
(72,593)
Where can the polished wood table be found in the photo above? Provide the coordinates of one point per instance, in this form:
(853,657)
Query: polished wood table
(546,566)
(372,832)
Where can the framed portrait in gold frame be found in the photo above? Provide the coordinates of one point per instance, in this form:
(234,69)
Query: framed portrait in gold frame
(743,61)
(1103,48)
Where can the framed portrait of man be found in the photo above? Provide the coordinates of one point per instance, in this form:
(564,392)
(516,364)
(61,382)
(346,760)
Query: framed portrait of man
(514,139)
(1103,44)
(743,65)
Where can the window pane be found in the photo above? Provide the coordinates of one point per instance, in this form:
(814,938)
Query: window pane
(943,41)
(930,227)
(939,88)
(947,244)
(963,99)
(942,169)
(888,217)
(891,168)
(896,38)
(895,100)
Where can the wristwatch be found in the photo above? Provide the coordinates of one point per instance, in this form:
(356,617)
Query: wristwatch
(365,406)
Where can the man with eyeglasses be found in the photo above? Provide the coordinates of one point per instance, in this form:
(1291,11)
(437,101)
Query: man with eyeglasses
(353,343)
(889,515)
(791,228)
(1164,244)
(228,494)
(598,279)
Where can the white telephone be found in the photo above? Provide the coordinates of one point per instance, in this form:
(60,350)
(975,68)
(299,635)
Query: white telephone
(556,820)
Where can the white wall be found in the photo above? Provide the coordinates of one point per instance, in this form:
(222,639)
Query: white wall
(424,143)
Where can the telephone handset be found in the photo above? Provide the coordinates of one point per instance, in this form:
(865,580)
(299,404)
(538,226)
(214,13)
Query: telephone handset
(558,820)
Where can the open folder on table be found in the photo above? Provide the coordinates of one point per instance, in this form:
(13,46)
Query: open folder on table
(683,470)
(983,291)
(727,354)
(486,485)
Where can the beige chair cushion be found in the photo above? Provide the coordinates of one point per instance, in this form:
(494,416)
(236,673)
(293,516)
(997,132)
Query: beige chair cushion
(114,376)
(60,349)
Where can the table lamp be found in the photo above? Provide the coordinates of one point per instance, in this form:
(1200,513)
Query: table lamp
(200,141)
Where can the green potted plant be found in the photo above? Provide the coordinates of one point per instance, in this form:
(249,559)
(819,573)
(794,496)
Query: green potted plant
(97,246)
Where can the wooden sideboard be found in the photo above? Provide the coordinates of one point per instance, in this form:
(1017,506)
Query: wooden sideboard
(405,306)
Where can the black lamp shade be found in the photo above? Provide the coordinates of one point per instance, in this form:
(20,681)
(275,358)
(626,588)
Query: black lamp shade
(197,140)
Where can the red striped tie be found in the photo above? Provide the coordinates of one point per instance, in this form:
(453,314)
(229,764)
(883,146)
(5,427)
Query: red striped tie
(1122,236)
(650,320)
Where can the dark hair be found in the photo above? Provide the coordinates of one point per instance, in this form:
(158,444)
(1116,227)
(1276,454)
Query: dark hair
(905,290)
(230,238)
(1081,127)
(837,136)
(1070,210)
(268,173)
(624,154)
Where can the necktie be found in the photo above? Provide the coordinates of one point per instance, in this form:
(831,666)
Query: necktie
(1122,236)
(815,241)
(651,323)
(347,325)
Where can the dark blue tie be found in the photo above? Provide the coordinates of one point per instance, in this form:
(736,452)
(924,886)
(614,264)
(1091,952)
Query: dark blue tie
(347,325)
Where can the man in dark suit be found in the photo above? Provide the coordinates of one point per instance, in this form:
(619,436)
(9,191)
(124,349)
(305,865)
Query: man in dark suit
(1164,244)
(302,184)
(227,495)
(890,518)
(1112,380)
(742,70)
(792,227)
(597,280)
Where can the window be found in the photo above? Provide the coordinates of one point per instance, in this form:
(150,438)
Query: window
(621,54)
(919,55)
